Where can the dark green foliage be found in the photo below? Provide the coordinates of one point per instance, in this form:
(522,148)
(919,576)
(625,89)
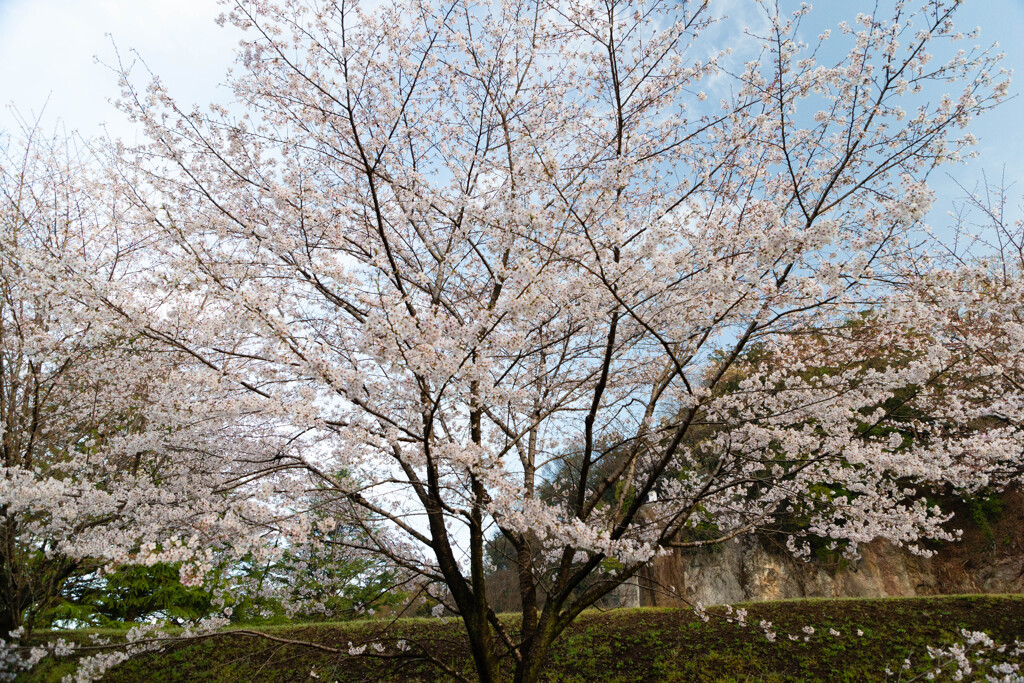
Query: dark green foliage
(130,594)
(985,508)
(323,579)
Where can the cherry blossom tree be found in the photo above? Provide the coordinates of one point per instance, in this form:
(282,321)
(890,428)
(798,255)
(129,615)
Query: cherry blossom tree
(63,400)
(450,248)
(106,437)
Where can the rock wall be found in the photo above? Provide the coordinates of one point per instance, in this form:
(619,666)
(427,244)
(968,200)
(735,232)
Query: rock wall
(984,561)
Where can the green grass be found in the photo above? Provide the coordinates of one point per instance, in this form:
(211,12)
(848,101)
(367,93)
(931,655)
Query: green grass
(615,646)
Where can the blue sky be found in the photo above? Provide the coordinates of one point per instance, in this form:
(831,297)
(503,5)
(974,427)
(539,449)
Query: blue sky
(47,50)
(1001,131)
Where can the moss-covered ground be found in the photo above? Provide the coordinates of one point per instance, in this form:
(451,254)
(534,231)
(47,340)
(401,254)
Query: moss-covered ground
(619,645)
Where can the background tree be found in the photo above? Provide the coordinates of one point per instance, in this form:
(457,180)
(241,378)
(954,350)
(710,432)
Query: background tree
(129,595)
(107,440)
(59,397)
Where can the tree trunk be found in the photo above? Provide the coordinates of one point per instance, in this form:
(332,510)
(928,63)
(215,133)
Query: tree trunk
(11,606)
(529,668)
(481,643)
(10,610)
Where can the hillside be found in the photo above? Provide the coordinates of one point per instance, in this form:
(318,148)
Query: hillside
(619,645)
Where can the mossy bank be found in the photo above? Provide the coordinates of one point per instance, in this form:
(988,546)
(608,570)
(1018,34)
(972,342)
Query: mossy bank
(617,645)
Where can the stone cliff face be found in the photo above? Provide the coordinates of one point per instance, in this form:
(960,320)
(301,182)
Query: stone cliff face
(986,560)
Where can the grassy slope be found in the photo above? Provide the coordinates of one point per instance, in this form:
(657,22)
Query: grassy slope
(620,645)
